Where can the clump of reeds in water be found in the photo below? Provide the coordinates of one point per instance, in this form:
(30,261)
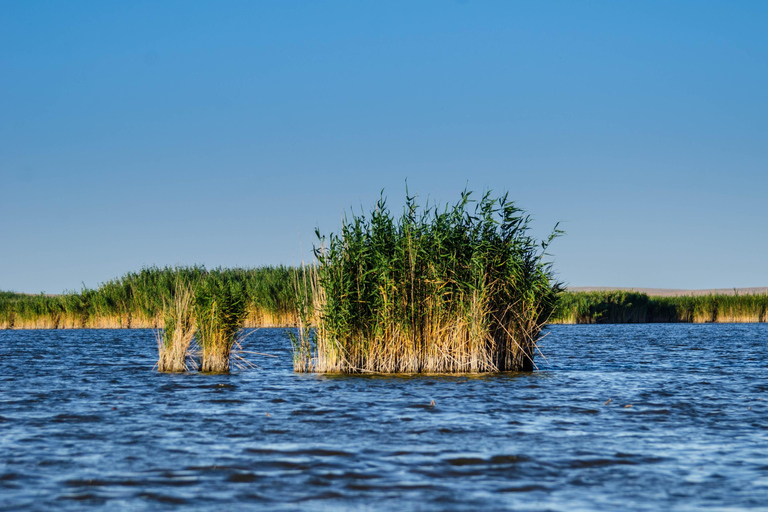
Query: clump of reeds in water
(459,289)
(175,339)
(220,309)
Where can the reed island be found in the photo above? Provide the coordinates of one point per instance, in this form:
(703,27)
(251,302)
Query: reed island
(461,288)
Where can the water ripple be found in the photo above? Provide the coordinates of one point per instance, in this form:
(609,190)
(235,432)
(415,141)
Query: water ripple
(640,417)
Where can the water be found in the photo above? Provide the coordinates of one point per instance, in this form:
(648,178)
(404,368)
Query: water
(85,422)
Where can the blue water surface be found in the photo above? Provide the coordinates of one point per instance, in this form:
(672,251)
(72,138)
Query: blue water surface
(85,422)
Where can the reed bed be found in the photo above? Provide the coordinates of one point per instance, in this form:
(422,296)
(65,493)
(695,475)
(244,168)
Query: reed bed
(634,307)
(137,300)
(436,290)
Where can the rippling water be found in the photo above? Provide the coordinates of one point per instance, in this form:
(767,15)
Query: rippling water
(84,421)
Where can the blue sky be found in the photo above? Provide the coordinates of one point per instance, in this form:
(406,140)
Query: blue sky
(223,133)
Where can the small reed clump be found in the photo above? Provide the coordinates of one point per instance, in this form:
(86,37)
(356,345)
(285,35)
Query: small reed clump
(458,289)
(175,339)
(220,309)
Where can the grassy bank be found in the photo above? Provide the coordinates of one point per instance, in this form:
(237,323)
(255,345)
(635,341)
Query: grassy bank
(633,307)
(137,300)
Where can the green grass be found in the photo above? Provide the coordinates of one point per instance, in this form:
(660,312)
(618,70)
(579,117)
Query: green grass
(456,289)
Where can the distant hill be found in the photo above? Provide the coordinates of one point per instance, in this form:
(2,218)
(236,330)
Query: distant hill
(669,292)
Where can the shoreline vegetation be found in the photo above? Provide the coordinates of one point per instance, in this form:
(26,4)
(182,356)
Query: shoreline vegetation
(622,306)
(136,301)
(142,299)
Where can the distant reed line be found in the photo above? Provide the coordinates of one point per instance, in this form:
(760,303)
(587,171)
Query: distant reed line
(620,307)
(136,300)
(275,307)
(271,303)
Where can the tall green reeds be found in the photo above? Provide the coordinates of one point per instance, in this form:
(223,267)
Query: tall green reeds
(459,289)
(220,308)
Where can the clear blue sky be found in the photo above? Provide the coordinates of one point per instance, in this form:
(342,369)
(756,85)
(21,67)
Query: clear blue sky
(220,133)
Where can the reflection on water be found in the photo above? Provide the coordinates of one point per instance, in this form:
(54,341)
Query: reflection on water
(85,421)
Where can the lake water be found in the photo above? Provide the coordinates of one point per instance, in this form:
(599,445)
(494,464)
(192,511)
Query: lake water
(86,423)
